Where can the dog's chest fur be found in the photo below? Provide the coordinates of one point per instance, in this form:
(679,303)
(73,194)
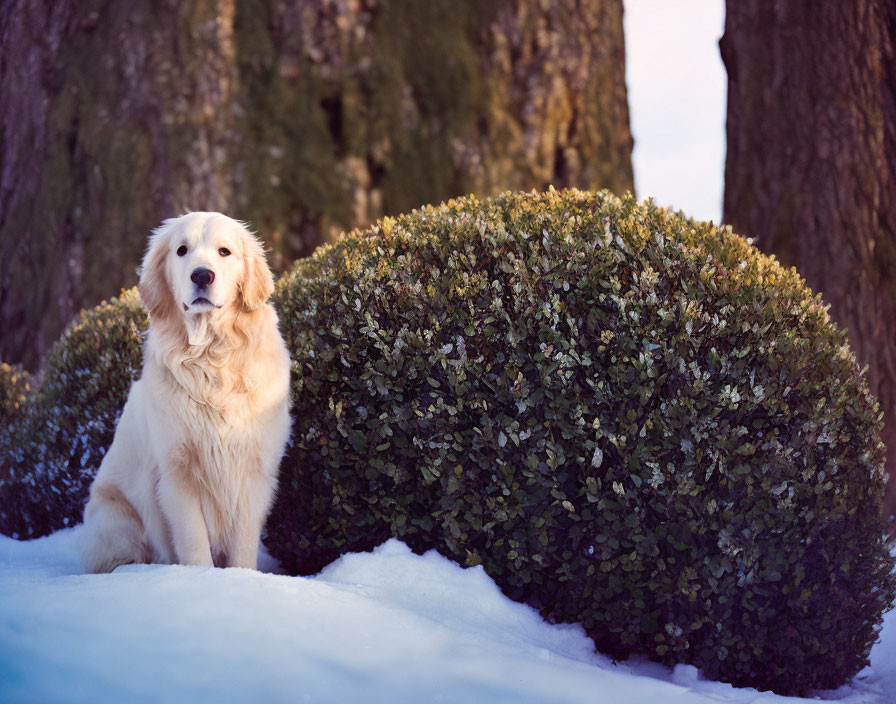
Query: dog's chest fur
(217,452)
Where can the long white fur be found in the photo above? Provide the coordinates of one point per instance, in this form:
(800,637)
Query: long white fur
(192,471)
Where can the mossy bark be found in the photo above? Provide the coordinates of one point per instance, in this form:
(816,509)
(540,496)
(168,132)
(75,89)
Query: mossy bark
(811,163)
(114,115)
(362,109)
(303,118)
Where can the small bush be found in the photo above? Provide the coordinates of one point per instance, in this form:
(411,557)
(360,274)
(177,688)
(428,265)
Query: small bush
(55,443)
(633,421)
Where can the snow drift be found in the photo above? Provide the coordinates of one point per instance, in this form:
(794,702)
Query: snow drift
(387,626)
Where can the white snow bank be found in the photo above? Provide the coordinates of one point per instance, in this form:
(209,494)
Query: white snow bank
(387,626)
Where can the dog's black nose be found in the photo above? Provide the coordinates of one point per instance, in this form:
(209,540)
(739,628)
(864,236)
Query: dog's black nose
(202,277)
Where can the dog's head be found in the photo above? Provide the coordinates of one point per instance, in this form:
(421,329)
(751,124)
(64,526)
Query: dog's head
(203,264)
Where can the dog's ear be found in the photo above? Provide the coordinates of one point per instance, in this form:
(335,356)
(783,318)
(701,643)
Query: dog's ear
(258,282)
(154,286)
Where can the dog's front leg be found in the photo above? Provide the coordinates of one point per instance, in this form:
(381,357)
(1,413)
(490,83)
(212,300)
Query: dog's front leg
(252,514)
(183,512)
(244,552)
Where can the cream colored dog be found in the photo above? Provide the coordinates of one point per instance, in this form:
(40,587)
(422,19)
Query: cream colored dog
(192,470)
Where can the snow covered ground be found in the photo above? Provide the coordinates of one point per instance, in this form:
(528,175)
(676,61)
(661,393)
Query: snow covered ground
(389,626)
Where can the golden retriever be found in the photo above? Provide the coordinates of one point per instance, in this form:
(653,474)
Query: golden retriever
(192,470)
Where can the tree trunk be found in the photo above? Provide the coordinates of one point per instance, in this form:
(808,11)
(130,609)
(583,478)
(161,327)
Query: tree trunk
(811,163)
(114,115)
(304,118)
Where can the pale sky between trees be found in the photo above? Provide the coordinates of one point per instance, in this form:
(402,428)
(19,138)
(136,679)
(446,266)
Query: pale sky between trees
(677,89)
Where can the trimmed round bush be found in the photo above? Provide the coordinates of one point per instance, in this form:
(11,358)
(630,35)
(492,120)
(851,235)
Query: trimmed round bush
(633,421)
(54,444)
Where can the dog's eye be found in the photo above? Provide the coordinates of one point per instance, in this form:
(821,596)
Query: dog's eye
(224,252)
(182,250)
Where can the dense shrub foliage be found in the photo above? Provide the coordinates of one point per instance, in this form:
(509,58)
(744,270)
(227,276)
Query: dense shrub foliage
(15,384)
(54,444)
(633,421)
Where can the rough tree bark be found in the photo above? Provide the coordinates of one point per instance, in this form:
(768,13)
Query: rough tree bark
(113,115)
(305,118)
(811,163)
